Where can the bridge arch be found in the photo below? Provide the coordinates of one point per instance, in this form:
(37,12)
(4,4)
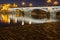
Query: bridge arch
(29,10)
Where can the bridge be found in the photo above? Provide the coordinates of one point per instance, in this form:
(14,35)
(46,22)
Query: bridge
(27,11)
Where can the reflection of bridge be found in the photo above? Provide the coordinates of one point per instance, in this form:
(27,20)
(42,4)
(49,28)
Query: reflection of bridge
(27,10)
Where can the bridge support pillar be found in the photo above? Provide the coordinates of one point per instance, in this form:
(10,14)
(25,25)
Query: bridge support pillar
(52,13)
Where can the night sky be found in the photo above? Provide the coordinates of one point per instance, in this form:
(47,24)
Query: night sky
(34,2)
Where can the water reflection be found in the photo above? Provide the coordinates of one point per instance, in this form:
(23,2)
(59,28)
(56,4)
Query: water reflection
(38,14)
(58,15)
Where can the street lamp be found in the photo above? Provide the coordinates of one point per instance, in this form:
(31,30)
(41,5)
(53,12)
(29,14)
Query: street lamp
(48,2)
(55,3)
(15,5)
(30,4)
(5,7)
(23,3)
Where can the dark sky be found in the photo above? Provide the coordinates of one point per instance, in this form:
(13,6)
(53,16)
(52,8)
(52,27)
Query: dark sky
(34,2)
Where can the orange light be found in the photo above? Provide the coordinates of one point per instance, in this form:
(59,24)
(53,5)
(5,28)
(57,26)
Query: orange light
(30,4)
(56,2)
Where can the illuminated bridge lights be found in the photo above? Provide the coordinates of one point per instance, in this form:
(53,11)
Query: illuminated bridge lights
(22,20)
(26,15)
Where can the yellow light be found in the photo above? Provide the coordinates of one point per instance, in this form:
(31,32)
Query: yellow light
(6,7)
(9,20)
(30,22)
(48,1)
(15,20)
(15,5)
(23,21)
(5,18)
(23,3)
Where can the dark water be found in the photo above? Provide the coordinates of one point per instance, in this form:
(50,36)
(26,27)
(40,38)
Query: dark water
(46,31)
